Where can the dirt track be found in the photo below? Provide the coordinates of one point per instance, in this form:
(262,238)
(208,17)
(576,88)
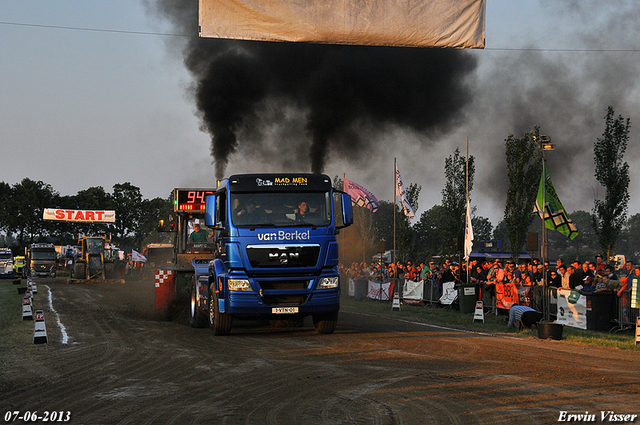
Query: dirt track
(122,364)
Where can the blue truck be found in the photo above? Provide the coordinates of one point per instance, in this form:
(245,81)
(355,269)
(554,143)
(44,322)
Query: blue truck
(276,253)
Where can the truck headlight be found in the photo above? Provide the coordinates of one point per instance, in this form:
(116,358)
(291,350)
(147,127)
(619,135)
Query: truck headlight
(328,282)
(242,285)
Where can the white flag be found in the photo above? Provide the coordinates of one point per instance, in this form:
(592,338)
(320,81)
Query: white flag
(468,236)
(136,256)
(408,211)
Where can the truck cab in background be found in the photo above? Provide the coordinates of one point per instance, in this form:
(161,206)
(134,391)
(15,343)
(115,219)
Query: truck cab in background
(275,251)
(41,260)
(6,263)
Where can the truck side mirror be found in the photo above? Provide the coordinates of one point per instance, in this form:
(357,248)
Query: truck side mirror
(346,210)
(210,211)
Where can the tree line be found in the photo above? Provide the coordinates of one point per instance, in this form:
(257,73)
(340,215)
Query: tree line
(23,204)
(438,232)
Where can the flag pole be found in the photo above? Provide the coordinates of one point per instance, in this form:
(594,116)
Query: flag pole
(465,219)
(543,247)
(395,177)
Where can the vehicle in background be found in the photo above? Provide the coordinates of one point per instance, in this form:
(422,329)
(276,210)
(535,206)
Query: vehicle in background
(90,264)
(41,260)
(159,254)
(178,258)
(18,265)
(6,263)
(115,264)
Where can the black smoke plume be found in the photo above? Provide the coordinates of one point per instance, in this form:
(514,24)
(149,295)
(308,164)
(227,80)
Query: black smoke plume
(342,92)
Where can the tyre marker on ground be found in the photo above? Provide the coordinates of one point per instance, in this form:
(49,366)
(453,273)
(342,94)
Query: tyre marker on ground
(63,330)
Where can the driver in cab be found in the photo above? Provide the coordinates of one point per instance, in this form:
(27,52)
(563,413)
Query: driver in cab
(304,213)
(249,214)
(199,235)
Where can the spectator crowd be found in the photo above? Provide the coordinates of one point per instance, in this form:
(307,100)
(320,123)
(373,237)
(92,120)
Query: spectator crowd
(585,277)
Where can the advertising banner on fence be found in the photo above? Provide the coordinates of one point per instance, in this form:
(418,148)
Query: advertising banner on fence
(572,309)
(412,292)
(380,291)
(80,216)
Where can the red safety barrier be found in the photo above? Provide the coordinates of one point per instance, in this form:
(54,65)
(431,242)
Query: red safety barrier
(165,288)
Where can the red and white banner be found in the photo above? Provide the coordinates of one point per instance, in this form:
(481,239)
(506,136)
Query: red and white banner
(80,216)
(380,291)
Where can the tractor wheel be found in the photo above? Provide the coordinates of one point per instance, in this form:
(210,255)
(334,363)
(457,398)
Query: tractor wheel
(79,271)
(109,270)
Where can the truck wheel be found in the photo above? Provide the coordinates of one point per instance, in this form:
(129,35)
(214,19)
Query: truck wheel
(325,323)
(220,323)
(197,319)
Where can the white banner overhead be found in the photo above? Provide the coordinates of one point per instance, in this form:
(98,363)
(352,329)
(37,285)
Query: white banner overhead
(80,216)
(419,23)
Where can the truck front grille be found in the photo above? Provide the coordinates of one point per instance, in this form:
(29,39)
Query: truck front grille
(273,256)
(284,299)
(280,284)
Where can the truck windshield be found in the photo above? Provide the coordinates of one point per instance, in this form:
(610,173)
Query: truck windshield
(281,209)
(4,256)
(43,255)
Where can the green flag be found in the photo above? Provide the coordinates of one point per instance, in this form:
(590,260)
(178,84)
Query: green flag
(555,217)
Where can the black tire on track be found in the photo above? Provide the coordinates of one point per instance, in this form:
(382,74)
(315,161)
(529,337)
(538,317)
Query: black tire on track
(79,271)
(197,319)
(220,323)
(325,323)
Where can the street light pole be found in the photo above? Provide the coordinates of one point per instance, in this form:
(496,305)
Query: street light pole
(545,145)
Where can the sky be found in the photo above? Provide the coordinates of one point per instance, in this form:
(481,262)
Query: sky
(97,93)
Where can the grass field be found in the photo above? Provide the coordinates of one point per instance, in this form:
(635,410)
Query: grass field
(492,323)
(13,330)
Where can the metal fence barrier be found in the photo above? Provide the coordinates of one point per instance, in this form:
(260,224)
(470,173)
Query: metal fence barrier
(627,316)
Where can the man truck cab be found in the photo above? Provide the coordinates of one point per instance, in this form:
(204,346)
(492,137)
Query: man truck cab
(271,259)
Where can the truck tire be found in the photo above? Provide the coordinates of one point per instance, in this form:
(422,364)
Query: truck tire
(197,319)
(325,323)
(79,271)
(220,323)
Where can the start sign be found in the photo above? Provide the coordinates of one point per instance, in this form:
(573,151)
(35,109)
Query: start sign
(80,216)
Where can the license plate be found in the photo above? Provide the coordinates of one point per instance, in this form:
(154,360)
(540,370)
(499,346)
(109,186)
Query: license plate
(284,310)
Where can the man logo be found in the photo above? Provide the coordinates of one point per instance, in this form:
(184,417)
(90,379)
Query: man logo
(284,257)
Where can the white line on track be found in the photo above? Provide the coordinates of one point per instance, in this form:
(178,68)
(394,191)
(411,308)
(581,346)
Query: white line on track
(435,326)
(63,330)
